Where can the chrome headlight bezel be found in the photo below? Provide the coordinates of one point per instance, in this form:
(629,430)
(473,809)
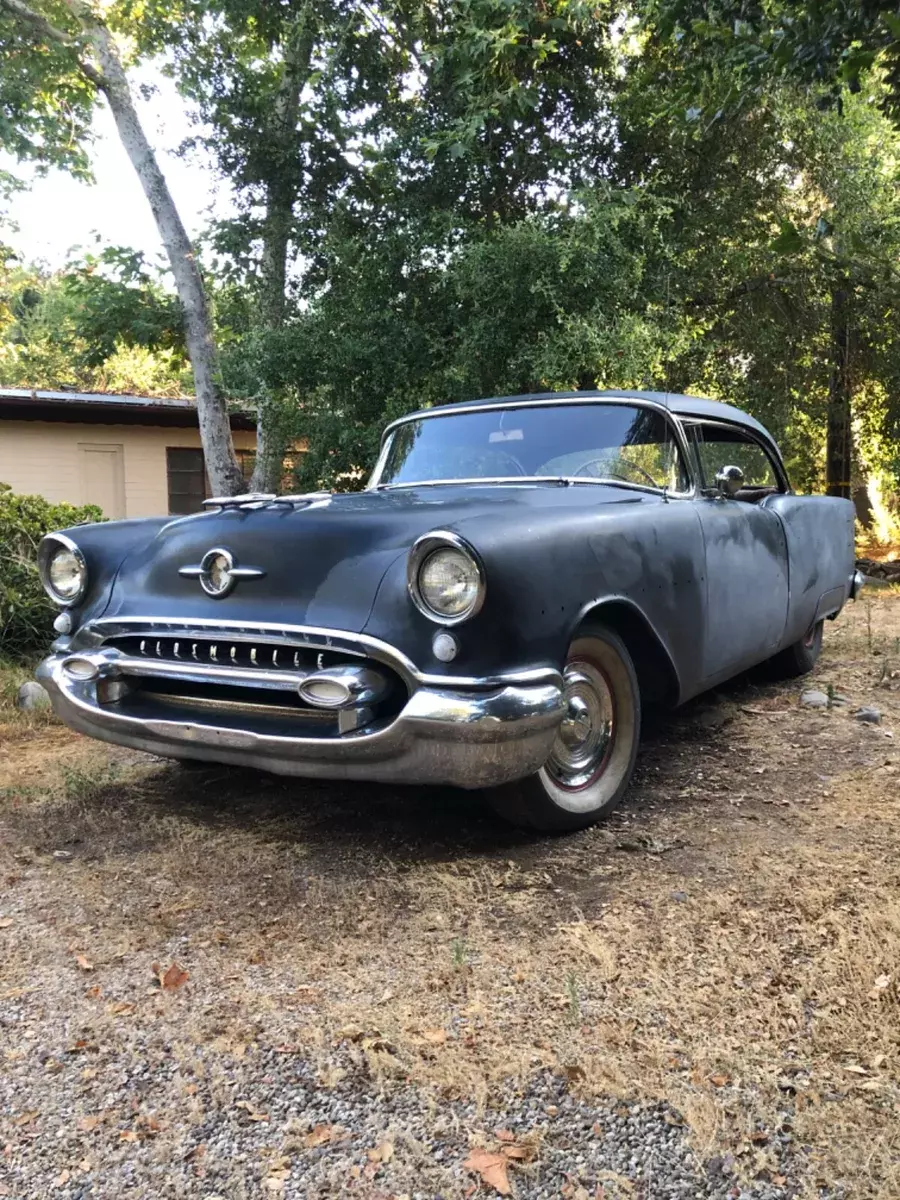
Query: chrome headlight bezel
(422,549)
(51,545)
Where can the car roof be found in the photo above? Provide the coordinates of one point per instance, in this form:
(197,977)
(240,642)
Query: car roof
(683,406)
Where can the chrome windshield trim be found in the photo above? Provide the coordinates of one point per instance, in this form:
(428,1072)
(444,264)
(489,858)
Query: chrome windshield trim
(510,405)
(95,633)
(554,402)
(531,481)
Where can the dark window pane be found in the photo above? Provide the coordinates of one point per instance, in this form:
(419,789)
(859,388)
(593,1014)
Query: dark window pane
(186,479)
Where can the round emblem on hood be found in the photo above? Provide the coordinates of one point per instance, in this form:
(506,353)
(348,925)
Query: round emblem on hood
(215,572)
(218,572)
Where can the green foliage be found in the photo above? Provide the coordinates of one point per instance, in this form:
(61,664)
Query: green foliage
(26,613)
(46,104)
(734,51)
(104,323)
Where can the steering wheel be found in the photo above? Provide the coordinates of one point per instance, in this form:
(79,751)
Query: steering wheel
(503,454)
(615,475)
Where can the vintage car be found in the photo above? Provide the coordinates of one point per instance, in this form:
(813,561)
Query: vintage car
(520,576)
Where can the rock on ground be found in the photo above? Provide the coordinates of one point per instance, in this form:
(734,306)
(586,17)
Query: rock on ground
(32,695)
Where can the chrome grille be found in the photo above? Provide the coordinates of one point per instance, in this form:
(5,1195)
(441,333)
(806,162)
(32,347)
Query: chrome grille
(224,652)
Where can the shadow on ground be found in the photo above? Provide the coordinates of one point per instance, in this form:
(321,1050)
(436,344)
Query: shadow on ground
(429,823)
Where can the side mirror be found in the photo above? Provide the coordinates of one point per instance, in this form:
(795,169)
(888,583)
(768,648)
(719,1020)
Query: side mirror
(729,481)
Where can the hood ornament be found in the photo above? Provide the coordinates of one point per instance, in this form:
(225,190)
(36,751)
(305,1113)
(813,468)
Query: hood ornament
(218,572)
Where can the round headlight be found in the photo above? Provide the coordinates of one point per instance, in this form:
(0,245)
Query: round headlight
(446,581)
(63,570)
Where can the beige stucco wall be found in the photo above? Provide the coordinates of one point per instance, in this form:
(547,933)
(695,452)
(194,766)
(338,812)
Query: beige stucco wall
(42,457)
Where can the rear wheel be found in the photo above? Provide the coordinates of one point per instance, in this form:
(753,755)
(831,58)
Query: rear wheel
(593,756)
(801,657)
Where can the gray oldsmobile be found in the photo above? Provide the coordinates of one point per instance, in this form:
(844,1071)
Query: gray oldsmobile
(519,578)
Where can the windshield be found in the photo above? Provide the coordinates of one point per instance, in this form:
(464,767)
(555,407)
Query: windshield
(616,443)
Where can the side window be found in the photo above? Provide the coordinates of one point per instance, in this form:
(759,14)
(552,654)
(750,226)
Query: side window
(721,446)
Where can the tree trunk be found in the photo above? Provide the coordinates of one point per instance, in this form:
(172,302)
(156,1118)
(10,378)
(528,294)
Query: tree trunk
(280,195)
(215,428)
(839,436)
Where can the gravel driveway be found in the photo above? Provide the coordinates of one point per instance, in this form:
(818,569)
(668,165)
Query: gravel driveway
(217,984)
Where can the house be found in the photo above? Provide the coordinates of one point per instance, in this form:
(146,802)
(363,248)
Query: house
(134,456)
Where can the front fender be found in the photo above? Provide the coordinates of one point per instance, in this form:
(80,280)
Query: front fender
(542,580)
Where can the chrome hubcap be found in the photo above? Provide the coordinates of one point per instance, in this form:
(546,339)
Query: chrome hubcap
(586,731)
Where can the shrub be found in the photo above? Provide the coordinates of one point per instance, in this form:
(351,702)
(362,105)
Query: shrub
(26,613)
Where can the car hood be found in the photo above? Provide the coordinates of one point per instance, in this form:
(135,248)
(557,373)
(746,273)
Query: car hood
(323,562)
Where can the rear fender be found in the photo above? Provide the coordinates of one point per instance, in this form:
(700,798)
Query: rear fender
(821,557)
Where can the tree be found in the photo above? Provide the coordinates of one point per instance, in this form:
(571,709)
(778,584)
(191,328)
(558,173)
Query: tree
(733,51)
(104,323)
(785,241)
(75,53)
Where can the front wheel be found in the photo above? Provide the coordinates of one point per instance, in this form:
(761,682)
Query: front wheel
(593,756)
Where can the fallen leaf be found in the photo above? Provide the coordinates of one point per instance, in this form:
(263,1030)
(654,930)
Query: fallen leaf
(437,1037)
(381,1154)
(856,1070)
(321,1134)
(491,1168)
(89,1124)
(719,1080)
(504,1135)
(84,963)
(251,1112)
(94,992)
(516,1152)
(6,922)
(122,1009)
(880,986)
(128,1135)
(25,1118)
(62,1179)
(172,978)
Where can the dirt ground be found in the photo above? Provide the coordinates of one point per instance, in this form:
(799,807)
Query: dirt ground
(729,942)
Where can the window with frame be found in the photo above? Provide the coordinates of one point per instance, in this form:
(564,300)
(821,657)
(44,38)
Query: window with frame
(188,485)
(721,446)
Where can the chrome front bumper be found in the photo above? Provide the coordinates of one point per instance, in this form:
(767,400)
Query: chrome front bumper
(461,736)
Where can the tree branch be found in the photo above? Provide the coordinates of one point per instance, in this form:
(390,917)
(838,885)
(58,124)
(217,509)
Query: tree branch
(40,25)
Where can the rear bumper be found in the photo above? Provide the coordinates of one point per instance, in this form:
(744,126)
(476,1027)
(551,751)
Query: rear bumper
(460,737)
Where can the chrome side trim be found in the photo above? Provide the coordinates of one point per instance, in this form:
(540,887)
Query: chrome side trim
(362,645)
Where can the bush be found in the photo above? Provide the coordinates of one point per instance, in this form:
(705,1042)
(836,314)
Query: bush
(26,613)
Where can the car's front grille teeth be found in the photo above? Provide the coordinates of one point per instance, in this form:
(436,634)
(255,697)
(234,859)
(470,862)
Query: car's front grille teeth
(222,652)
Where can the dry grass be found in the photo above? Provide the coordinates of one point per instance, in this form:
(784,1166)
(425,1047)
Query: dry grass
(730,941)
